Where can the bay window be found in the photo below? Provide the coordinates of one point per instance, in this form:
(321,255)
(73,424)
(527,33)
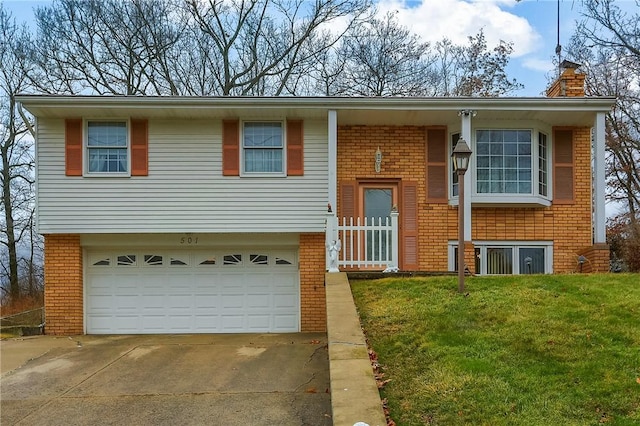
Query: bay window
(507,162)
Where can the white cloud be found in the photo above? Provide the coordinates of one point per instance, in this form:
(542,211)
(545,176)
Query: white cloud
(537,64)
(433,20)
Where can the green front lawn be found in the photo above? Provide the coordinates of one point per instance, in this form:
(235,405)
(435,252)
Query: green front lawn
(525,350)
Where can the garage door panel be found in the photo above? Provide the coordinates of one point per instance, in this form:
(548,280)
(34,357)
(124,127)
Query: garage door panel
(259,300)
(285,301)
(200,291)
(207,302)
(284,322)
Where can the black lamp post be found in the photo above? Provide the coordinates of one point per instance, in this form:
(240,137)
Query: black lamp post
(460,156)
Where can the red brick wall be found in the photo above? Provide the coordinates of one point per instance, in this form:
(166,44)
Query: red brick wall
(63,292)
(313,310)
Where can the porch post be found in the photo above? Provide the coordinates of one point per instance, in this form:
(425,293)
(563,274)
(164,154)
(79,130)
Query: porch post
(332,242)
(599,214)
(465,133)
(332,176)
(395,240)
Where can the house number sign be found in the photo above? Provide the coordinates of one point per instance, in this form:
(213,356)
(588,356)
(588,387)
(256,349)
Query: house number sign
(188,240)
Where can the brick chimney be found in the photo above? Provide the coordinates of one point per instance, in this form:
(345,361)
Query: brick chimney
(569,84)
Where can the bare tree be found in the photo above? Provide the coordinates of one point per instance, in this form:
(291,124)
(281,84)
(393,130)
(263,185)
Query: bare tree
(476,71)
(607,43)
(261,46)
(107,47)
(384,58)
(16,150)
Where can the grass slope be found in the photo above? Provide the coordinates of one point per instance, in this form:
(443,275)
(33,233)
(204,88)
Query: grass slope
(525,350)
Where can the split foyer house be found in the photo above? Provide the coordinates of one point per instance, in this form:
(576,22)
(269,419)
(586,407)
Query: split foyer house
(199,214)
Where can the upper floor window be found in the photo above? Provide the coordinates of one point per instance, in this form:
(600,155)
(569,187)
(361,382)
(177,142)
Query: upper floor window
(263,147)
(511,162)
(107,147)
(503,162)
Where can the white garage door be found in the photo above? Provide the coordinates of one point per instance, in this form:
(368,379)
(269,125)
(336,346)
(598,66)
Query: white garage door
(191,291)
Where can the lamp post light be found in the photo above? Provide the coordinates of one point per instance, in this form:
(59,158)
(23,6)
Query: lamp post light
(460,156)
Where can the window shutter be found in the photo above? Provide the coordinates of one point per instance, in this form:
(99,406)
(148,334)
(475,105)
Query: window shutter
(347,209)
(409,227)
(563,166)
(436,146)
(73,146)
(348,202)
(139,148)
(231,148)
(295,148)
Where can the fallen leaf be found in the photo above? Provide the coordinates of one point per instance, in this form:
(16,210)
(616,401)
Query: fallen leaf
(638,380)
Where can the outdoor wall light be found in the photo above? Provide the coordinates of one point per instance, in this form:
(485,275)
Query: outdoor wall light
(378,163)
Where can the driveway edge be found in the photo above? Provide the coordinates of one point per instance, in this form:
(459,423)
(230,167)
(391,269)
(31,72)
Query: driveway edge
(354,392)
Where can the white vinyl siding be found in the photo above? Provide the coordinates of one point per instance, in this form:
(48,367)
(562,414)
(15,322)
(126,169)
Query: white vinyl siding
(185,190)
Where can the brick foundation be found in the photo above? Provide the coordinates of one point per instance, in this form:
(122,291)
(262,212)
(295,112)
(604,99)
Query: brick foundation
(313,313)
(63,291)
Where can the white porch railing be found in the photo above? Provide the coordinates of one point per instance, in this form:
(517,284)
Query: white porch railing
(367,244)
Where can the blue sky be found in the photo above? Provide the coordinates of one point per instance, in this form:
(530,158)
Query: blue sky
(529,24)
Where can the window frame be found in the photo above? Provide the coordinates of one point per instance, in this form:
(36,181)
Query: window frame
(515,247)
(86,148)
(534,198)
(283,148)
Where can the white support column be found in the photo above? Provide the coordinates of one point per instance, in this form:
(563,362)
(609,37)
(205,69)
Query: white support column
(333,159)
(395,240)
(465,133)
(599,184)
(332,242)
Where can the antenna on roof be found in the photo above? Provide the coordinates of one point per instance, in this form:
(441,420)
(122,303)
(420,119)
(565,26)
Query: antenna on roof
(558,47)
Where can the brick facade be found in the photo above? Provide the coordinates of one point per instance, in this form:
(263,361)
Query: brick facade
(63,296)
(568,225)
(313,311)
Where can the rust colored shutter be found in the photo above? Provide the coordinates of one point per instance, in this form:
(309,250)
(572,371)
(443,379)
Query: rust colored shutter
(231,148)
(73,146)
(295,148)
(436,144)
(139,148)
(347,209)
(409,227)
(563,166)
(348,201)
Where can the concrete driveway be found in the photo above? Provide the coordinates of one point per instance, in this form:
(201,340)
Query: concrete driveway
(246,379)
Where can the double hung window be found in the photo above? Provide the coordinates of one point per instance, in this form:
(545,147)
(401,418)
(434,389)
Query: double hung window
(263,148)
(107,147)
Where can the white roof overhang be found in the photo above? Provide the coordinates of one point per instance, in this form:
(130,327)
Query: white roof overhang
(350,111)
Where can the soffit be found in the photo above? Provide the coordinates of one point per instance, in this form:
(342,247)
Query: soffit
(350,111)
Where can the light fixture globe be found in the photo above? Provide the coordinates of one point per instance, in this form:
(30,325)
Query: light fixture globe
(460,156)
